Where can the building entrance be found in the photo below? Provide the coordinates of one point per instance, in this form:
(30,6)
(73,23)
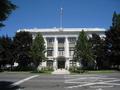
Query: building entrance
(61,62)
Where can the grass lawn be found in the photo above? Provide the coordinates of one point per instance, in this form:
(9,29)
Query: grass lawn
(49,72)
(28,72)
(42,72)
(102,71)
(98,72)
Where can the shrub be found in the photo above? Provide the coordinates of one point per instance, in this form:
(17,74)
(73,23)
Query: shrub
(44,70)
(75,69)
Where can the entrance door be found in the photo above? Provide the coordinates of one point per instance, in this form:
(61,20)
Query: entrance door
(61,62)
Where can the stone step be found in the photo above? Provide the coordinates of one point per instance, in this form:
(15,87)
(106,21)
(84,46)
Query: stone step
(61,71)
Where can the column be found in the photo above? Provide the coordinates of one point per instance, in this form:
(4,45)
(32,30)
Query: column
(44,63)
(66,47)
(67,53)
(55,64)
(55,47)
(45,46)
(55,53)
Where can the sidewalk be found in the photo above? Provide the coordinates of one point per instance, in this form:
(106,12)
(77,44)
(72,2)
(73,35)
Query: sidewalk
(61,71)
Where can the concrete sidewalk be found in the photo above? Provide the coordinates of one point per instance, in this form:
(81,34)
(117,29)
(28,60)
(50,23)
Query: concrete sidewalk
(61,71)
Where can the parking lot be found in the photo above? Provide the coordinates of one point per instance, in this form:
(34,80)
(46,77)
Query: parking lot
(28,81)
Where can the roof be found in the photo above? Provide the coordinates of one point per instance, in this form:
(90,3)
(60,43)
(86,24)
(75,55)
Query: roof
(63,29)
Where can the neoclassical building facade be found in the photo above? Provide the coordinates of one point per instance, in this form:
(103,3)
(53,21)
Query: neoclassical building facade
(60,44)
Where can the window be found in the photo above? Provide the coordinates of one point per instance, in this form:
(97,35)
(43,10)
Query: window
(71,51)
(50,63)
(72,40)
(72,63)
(60,51)
(49,51)
(50,40)
(61,40)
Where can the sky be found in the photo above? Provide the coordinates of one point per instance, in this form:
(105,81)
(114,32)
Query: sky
(46,14)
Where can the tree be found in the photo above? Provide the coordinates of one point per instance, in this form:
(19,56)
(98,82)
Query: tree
(6,7)
(38,50)
(6,51)
(116,21)
(83,52)
(22,44)
(98,49)
(113,41)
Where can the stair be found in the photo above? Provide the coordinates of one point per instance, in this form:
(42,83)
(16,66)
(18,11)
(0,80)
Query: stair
(61,71)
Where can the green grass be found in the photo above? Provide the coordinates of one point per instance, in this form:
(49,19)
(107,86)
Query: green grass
(101,71)
(28,72)
(42,72)
(97,72)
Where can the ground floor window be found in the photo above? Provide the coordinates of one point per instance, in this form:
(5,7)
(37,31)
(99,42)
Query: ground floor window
(72,63)
(50,63)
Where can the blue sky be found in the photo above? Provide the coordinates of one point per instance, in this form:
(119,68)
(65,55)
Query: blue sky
(46,14)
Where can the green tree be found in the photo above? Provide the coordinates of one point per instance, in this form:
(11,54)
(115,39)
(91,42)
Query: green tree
(116,20)
(6,51)
(83,52)
(22,44)
(98,49)
(6,7)
(113,41)
(38,50)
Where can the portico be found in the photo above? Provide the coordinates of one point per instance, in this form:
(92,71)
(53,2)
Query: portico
(61,52)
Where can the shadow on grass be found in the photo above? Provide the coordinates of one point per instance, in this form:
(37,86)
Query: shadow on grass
(6,85)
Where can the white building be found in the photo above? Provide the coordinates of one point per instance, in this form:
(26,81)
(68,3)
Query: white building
(60,44)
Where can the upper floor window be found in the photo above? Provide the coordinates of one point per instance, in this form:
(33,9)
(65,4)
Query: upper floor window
(71,51)
(60,51)
(61,40)
(72,40)
(49,51)
(50,40)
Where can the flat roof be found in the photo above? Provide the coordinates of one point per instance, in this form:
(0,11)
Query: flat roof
(61,29)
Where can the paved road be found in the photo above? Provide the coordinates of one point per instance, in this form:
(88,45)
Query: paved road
(27,81)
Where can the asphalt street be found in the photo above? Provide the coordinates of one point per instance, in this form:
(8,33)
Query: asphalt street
(28,81)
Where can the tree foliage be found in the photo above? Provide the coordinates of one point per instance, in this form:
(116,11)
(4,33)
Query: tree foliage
(6,51)
(83,52)
(113,41)
(6,7)
(98,49)
(38,49)
(22,44)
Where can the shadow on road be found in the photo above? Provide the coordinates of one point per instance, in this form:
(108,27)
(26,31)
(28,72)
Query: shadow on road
(6,85)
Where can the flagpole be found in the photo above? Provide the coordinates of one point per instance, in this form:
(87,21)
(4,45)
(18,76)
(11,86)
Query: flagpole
(61,18)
